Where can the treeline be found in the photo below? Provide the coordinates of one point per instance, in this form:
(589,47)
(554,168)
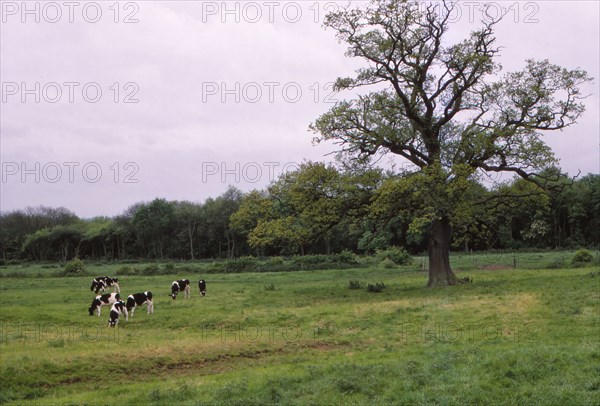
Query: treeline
(317,209)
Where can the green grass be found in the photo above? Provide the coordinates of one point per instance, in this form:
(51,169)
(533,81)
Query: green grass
(493,260)
(511,337)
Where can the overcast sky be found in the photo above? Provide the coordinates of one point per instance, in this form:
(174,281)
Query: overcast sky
(181,99)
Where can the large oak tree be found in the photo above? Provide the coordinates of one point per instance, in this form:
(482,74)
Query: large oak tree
(446,108)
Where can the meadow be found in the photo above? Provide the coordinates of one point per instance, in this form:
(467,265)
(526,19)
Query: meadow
(522,336)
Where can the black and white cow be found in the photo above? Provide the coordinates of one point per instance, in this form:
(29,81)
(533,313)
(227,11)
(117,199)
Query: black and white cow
(98,284)
(102,282)
(115,311)
(181,285)
(114,282)
(103,300)
(140,299)
(202,287)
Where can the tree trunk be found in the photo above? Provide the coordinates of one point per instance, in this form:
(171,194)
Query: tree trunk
(438,249)
(228,243)
(191,236)
(76,251)
(233,246)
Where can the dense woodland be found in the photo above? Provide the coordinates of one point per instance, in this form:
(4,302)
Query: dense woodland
(318,209)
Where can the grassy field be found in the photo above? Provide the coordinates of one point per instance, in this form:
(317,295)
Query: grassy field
(460,261)
(513,336)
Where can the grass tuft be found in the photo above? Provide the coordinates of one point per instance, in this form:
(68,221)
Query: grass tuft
(376,287)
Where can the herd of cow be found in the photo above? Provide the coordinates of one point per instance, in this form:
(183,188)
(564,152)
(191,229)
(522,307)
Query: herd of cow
(120,307)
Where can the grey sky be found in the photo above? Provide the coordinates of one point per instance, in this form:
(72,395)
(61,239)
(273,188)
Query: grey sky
(214,101)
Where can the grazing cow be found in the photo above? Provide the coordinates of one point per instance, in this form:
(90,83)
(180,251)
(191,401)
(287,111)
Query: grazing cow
(114,282)
(181,285)
(115,311)
(102,282)
(98,284)
(103,300)
(202,287)
(140,299)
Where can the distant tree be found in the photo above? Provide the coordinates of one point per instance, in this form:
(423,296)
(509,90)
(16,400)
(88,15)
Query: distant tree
(474,230)
(96,237)
(255,207)
(523,220)
(590,197)
(66,240)
(18,231)
(575,213)
(60,242)
(37,244)
(189,215)
(304,207)
(13,232)
(122,236)
(154,225)
(378,234)
(445,108)
(216,227)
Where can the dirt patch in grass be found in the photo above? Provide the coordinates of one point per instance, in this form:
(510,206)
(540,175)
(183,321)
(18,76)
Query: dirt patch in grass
(161,366)
(324,346)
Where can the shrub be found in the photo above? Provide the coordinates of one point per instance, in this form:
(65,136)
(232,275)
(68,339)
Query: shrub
(150,270)
(582,255)
(275,261)
(311,261)
(466,279)
(242,264)
(216,267)
(354,285)
(125,270)
(276,264)
(74,268)
(396,254)
(347,257)
(319,261)
(376,288)
(169,266)
(388,264)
